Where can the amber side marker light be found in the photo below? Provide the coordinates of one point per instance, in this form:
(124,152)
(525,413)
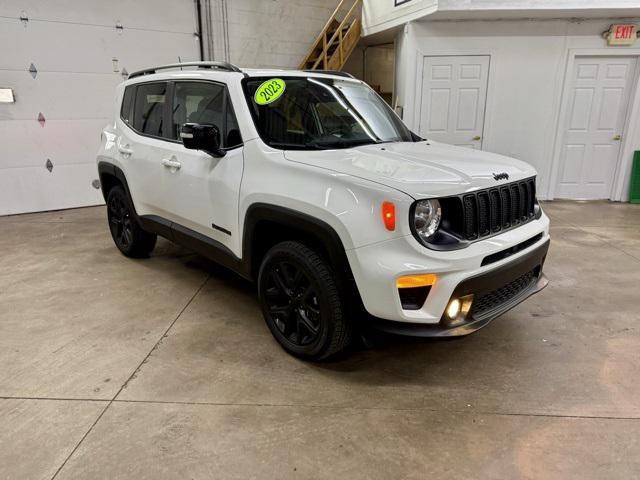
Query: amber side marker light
(412,281)
(389,215)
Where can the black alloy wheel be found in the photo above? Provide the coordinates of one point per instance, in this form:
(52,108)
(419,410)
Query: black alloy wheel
(120,222)
(300,302)
(292,303)
(125,230)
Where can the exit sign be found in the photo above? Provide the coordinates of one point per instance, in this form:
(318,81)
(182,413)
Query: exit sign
(621,34)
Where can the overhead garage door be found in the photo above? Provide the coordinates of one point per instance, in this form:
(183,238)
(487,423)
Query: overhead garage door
(63,61)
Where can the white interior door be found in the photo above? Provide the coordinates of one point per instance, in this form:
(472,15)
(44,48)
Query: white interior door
(596,113)
(454,93)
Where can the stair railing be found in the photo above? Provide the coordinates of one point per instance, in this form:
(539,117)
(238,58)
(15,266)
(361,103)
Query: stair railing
(346,32)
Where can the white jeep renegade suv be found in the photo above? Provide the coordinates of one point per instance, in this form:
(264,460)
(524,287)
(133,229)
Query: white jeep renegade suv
(310,185)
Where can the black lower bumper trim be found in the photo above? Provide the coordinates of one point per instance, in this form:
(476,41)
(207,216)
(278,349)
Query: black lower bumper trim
(484,283)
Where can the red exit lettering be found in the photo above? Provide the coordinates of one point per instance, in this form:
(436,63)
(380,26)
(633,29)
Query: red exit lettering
(623,32)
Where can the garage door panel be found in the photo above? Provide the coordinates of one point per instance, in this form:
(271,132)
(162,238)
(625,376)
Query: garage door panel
(59,96)
(62,141)
(138,14)
(72,44)
(159,48)
(33,189)
(59,47)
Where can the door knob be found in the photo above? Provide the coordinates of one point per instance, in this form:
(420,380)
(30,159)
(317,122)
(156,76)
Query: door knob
(617,137)
(476,138)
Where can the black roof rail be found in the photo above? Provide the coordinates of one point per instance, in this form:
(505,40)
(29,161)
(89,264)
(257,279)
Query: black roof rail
(227,67)
(331,72)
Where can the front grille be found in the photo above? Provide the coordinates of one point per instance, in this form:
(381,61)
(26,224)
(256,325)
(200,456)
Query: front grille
(486,212)
(489,301)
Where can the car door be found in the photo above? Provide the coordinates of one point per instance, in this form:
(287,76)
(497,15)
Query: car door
(141,144)
(201,190)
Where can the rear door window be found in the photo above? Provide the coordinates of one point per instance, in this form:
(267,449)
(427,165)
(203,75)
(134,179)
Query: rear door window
(148,112)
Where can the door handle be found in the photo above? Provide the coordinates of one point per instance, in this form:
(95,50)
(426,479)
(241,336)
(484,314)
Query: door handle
(124,149)
(617,137)
(171,163)
(476,138)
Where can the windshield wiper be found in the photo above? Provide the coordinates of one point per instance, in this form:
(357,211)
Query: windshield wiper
(295,146)
(345,143)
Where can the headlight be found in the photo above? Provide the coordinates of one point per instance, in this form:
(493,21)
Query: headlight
(426,218)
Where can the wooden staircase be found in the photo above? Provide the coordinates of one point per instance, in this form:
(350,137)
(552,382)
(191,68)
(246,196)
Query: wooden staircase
(337,40)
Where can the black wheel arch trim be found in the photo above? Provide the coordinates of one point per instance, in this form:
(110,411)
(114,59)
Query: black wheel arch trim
(106,168)
(295,220)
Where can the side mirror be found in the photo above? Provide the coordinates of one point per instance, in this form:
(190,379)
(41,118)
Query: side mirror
(202,136)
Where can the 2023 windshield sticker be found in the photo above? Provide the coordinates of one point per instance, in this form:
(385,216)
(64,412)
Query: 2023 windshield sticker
(269,91)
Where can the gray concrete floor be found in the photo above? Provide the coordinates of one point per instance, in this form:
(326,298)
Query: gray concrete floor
(163,368)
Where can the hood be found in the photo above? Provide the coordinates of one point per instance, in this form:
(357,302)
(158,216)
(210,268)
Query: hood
(420,169)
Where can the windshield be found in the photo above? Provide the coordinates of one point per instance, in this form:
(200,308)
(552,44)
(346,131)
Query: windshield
(319,113)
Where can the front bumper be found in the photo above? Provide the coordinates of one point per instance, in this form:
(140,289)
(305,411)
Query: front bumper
(376,268)
(482,285)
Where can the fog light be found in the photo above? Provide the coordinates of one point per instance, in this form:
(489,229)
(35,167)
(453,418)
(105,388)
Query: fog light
(457,310)
(453,309)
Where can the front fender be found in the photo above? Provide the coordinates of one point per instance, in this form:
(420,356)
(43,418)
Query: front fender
(351,206)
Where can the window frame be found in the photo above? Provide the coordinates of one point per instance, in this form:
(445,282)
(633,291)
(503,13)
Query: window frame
(167,113)
(133,90)
(226,100)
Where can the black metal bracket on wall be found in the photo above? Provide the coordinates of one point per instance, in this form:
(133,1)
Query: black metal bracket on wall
(199,21)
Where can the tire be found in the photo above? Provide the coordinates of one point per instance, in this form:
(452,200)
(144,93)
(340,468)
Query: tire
(300,302)
(126,232)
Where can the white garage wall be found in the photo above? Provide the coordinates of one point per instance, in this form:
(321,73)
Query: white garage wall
(380,15)
(528,63)
(273,33)
(72,43)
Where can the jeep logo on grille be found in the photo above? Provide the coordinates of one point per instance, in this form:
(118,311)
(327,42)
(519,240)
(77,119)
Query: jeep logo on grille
(501,176)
